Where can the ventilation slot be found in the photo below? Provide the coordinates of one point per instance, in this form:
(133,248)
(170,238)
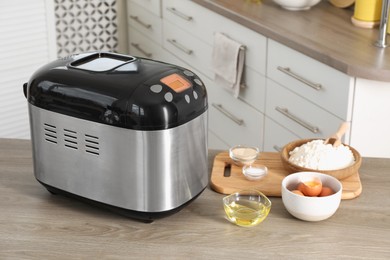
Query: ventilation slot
(70,139)
(50,132)
(92,144)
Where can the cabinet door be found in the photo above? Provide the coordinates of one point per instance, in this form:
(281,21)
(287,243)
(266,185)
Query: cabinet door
(276,136)
(203,24)
(233,121)
(153,6)
(146,22)
(188,48)
(300,116)
(141,46)
(328,88)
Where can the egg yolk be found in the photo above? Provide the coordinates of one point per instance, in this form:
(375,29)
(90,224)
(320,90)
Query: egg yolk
(310,188)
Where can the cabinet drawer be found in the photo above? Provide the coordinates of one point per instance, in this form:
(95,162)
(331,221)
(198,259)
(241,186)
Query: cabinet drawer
(214,142)
(145,22)
(317,82)
(232,120)
(255,89)
(276,136)
(297,114)
(198,54)
(141,46)
(153,6)
(188,48)
(204,23)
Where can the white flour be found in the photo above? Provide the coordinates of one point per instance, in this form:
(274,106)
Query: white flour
(319,156)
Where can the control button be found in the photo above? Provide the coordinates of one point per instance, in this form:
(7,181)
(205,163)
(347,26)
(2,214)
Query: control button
(110,117)
(156,88)
(195,94)
(188,73)
(168,96)
(197,81)
(187,98)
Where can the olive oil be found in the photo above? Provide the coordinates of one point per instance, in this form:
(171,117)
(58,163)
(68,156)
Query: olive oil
(246,213)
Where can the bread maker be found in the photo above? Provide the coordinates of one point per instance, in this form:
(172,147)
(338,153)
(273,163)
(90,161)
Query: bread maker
(126,133)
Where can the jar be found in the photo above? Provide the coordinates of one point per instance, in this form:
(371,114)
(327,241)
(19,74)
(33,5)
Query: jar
(367,13)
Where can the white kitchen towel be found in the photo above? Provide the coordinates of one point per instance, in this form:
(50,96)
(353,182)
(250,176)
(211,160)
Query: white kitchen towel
(228,62)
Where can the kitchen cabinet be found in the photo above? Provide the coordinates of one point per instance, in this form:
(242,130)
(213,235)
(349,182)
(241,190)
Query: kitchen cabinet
(187,40)
(305,96)
(188,31)
(188,34)
(300,92)
(144,28)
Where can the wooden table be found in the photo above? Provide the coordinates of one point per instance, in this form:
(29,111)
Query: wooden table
(37,225)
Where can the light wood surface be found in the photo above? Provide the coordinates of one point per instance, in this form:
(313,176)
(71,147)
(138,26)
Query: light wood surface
(324,33)
(269,185)
(37,225)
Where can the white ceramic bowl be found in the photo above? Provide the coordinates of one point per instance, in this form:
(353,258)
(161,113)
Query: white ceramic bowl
(297,5)
(311,208)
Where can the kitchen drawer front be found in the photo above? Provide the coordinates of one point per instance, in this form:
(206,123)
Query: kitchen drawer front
(153,6)
(188,48)
(214,142)
(255,89)
(204,23)
(276,136)
(302,117)
(145,22)
(303,75)
(141,46)
(233,121)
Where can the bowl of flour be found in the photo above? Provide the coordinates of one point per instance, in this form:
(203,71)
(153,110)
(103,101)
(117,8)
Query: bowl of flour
(313,155)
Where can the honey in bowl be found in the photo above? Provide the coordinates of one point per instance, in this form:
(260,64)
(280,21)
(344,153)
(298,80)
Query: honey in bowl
(246,208)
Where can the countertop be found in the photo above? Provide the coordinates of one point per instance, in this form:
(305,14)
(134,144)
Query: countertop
(37,225)
(324,33)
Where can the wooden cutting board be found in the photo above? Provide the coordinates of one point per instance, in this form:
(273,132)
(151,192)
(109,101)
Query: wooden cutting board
(227,178)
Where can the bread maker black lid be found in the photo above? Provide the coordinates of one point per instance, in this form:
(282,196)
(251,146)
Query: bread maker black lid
(119,90)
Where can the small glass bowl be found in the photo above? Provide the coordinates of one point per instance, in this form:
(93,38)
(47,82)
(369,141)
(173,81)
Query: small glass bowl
(243,155)
(254,172)
(246,208)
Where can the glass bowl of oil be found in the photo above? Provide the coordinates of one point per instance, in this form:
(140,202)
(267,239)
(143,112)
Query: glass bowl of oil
(246,208)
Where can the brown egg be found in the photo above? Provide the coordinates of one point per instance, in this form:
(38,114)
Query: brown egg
(326,191)
(311,188)
(298,192)
(300,187)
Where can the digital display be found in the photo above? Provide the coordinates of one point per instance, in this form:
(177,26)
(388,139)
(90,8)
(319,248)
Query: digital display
(176,82)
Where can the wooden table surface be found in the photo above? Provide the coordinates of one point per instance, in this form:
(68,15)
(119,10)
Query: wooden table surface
(37,225)
(324,33)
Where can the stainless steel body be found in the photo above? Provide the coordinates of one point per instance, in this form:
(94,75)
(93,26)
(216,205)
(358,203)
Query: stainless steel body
(148,171)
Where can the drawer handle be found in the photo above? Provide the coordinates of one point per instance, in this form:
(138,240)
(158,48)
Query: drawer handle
(135,18)
(277,148)
(180,46)
(288,71)
(221,109)
(285,112)
(136,45)
(180,14)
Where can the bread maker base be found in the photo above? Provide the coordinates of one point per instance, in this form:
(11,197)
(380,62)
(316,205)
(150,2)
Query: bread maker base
(146,217)
(148,173)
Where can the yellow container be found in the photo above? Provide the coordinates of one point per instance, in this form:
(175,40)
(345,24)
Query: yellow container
(368,10)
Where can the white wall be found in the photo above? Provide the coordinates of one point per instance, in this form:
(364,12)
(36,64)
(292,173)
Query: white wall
(27,41)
